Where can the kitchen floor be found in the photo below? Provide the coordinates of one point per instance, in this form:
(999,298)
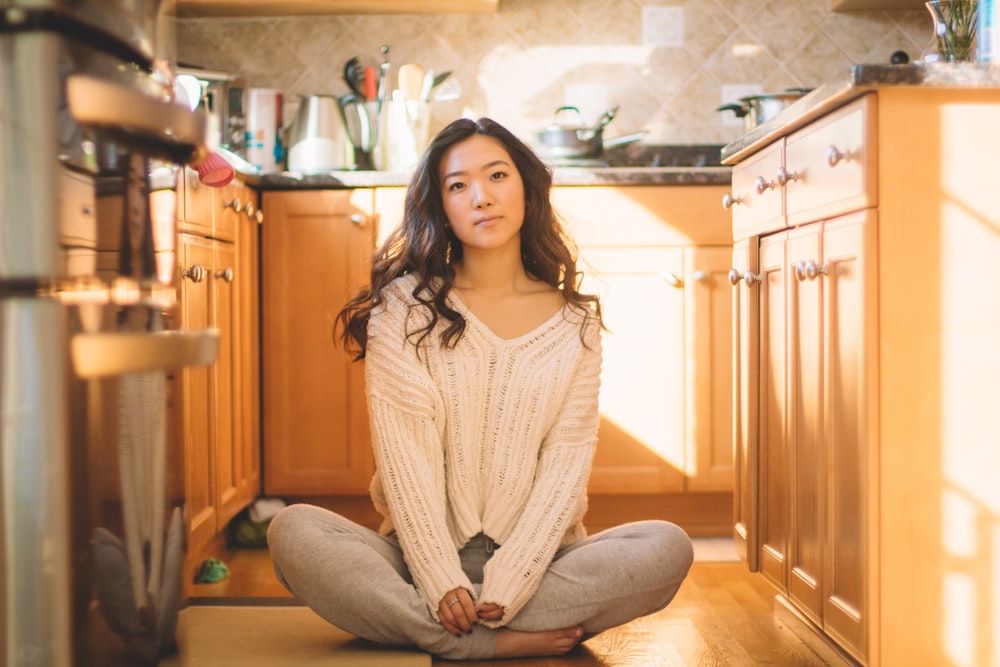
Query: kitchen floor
(723,615)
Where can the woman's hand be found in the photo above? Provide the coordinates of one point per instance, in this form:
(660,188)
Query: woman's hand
(489,611)
(456,611)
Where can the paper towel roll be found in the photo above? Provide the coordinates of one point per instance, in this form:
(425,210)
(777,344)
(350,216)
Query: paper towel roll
(263,128)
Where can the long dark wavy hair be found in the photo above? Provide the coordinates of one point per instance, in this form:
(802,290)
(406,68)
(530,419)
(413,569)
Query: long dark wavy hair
(424,244)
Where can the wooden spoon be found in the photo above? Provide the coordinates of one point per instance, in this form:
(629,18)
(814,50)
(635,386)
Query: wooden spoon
(411,80)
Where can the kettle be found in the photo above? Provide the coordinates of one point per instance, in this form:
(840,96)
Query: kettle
(318,139)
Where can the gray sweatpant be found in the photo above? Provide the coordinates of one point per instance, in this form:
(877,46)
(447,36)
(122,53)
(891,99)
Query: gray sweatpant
(357,580)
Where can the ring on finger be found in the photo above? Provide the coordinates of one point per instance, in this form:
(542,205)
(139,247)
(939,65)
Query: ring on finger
(451,602)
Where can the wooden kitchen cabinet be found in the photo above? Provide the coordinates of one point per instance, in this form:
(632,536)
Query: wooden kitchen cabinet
(659,258)
(316,250)
(801,391)
(186,8)
(218,289)
(865,373)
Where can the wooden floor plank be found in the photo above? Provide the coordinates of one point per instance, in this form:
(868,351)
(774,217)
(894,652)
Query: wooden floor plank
(722,616)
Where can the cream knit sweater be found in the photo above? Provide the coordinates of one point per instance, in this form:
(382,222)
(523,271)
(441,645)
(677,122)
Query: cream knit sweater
(494,436)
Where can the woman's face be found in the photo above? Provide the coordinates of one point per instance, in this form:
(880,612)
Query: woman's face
(482,193)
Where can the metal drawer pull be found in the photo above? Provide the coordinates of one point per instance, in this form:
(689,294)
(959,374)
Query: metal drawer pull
(226,274)
(783,176)
(809,270)
(729,200)
(748,277)
(834,156)
(195,273)
(762,185)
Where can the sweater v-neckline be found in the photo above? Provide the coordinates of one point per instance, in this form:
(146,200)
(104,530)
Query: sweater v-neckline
(470,316)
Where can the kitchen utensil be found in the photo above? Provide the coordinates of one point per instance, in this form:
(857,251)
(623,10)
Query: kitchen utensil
(567,136)
(318,138)
(427,86)
(757,109)
(353,75)
(411,81)
(445,88)
(383,79)
(360,129)
(370,83)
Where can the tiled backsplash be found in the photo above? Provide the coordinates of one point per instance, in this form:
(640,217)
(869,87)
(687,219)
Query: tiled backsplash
(518,65)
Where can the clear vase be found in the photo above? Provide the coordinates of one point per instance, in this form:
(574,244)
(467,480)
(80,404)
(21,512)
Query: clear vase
(954,38)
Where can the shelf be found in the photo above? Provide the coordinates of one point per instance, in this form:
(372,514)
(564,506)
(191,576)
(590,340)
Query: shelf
(851,5)
(194,8)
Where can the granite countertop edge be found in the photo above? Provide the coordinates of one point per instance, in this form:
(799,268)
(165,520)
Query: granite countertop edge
(859,80)
(583,176)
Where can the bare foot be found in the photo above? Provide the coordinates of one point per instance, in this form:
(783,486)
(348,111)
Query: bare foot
(515,644)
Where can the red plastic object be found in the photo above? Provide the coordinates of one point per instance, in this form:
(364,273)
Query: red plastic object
(214,171)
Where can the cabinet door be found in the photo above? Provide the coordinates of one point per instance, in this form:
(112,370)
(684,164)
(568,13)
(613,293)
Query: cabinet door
(773,514)
(640,445)
(227,476)
(708,369)
(849,424)
(198,205)
(745,280)
(804,342)
(316,250)
(247,341)
(196,259)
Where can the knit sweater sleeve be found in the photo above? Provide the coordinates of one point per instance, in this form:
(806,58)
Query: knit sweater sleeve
(404,409)
(558,492)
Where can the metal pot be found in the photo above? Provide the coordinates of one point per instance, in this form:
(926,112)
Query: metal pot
(568,137)
(758,109)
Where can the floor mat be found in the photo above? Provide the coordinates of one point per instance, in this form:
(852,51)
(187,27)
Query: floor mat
(258,636)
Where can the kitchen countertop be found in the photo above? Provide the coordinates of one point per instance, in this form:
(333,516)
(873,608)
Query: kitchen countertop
(634,165)
(859,80)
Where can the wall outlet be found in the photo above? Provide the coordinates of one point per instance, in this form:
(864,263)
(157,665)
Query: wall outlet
(663,26)
(590,99)
(731,94)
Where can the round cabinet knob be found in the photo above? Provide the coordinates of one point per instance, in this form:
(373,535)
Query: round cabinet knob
(751,279)
(234,204)
(699,276)
(729,200)
(762,185)
(814,270)
(800,271)
(835,157)
(735,277)
(226,274)
(249,209)
(259,216)
(784,177)
(358,219)
(195,273)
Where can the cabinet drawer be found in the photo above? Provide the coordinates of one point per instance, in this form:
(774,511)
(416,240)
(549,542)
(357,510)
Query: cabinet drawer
(830,165)
(757,200)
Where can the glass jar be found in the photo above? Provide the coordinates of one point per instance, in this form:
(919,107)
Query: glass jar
(954,36)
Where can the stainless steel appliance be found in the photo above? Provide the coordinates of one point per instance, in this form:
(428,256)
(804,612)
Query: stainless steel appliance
(224,97)
(90,473)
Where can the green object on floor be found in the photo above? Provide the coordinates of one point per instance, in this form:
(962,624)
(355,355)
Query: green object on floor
(211,571)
